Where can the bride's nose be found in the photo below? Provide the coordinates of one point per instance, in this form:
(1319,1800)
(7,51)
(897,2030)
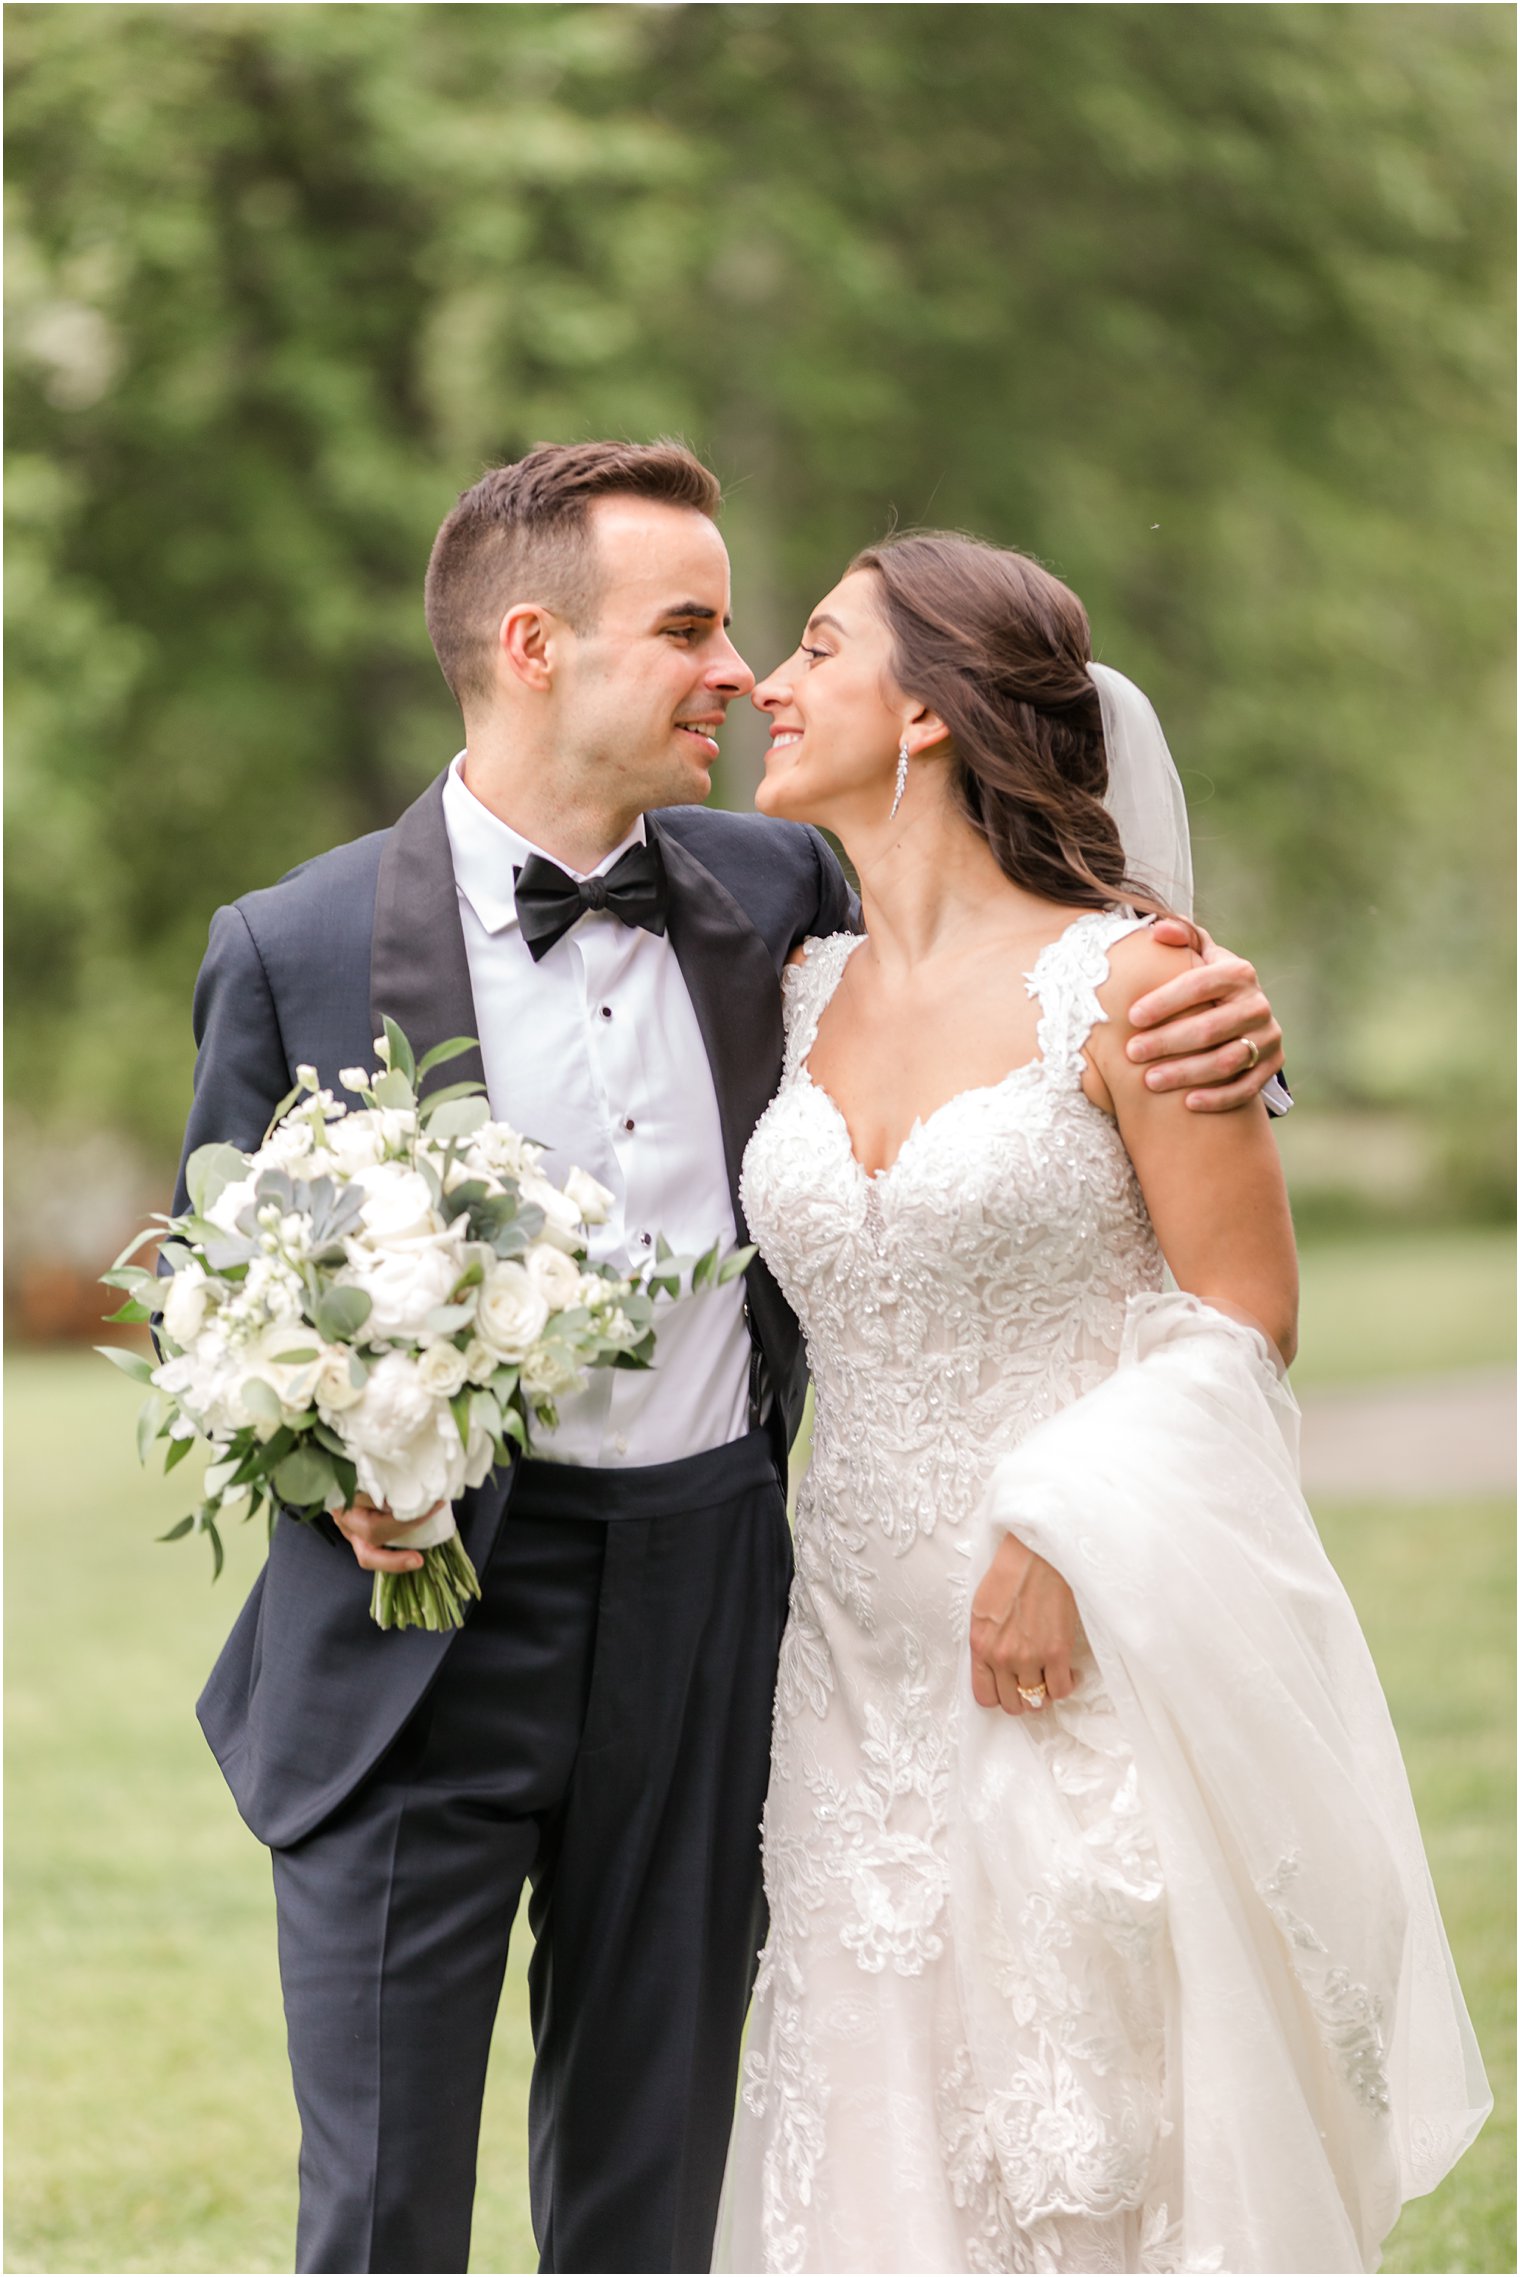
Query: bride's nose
(770,694)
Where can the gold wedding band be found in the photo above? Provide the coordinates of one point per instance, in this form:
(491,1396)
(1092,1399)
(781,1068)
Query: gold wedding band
(1254,1049)
(1032,1695)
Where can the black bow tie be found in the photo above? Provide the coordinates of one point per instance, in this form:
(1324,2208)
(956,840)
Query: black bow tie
(549,901)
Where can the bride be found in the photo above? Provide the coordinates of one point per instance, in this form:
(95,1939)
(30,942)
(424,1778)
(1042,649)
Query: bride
(1101,1933)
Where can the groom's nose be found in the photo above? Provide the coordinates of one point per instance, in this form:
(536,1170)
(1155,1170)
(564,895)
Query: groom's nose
(729,672)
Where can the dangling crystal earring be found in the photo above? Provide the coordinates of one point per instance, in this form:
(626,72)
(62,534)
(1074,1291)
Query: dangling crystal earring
(902,778)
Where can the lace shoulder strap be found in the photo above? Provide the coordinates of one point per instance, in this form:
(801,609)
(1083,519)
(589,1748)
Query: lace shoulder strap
(1065,979)
(806,989)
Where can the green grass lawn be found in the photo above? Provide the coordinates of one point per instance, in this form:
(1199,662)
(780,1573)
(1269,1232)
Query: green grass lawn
(1429,1300)
(150,2119)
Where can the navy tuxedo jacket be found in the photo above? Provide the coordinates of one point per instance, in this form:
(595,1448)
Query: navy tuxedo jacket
(307,1692)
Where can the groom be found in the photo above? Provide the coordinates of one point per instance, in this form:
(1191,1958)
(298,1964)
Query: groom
(599,1729)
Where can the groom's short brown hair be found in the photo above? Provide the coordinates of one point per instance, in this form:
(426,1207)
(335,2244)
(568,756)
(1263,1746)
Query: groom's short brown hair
(523,533)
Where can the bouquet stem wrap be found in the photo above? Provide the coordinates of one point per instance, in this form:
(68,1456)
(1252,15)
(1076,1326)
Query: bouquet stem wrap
(439,1593)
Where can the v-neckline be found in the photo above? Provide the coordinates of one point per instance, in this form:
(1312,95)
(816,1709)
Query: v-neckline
(920,1123)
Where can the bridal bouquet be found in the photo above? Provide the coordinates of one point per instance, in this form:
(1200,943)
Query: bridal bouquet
(381,1299)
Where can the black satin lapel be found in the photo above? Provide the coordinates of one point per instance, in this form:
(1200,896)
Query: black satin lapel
(735,994)
(418,970)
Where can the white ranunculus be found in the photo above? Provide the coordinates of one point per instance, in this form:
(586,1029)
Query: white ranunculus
(548,1374)
(404,1445)
(512,1311)
(593,1201)
(562,1220)
(404,1281)
(353,1079)
(442,1369)
(556,1276)
(186,1303)
(398,1204)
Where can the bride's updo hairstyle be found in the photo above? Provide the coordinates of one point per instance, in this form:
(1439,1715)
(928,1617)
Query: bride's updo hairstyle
(999,649)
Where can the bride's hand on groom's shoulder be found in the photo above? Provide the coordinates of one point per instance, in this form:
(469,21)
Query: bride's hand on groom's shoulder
(1023,1630)
(1200,1028)
(371,1531)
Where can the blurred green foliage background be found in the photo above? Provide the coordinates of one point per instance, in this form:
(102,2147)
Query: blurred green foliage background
(1210,308)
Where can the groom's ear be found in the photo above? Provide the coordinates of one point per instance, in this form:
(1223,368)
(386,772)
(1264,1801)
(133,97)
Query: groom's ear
(526,638)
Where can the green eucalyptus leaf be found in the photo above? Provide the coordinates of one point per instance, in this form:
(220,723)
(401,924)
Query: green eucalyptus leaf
(450,1092)
(456,1118)
(403,1061)
(453,1049)
(393,1090)
(305,1476)
(284,1107)
(261,1399)
(341,1313)
(209,1170)
(151,1417)
(133,1364)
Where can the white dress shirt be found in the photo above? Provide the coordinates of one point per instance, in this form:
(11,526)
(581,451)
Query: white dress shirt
(595,1052)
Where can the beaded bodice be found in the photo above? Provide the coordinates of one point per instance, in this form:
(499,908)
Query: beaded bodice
(981,1278)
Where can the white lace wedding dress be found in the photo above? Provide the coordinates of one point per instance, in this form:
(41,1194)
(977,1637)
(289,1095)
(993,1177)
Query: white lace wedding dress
(953,1304)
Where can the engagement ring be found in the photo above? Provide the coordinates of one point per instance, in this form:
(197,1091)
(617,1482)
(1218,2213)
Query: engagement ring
(1032,1695)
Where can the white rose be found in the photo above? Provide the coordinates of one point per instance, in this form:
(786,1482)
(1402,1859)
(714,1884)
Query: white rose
(398,1204)
(554,1275)
(333,1388)
(512,1311)
(442,1368)
(480,1362)
(548,1374)
(562,1220)
(404,1445)
(186,1302)
(405,1281)
(590,1199)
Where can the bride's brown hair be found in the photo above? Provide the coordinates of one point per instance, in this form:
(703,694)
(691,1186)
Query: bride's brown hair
(999,649)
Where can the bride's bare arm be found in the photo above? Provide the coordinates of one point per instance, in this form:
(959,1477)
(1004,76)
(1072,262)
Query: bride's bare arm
(1213,1184)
